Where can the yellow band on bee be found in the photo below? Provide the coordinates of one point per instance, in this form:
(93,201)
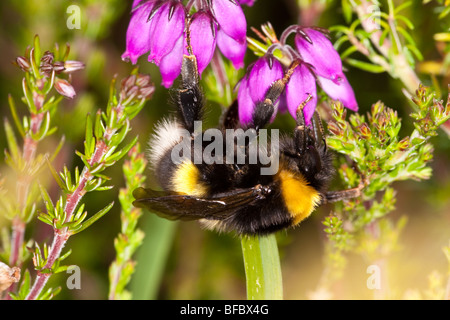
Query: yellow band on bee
(186,180)
(300,198)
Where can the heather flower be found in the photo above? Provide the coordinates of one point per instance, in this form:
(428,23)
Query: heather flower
(52,71)
(245,102)
(317,50)
(72,65)
(23,63)
(157,27)
(166,26)
(203,38)
(254,86)
(300,87)
(8,276)
(341,91)
(225,21)
(138,33)
(170,66)
(263,73)
(64,88)
(231,19)
(247,2)
(135,87)
(47,65)
(231,49)
(316,61)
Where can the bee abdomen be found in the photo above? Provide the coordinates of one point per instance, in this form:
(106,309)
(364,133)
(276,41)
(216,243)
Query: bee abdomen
(261,219)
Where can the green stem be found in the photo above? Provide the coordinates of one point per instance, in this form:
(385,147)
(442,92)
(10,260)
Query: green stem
(152,257)
(262,268)
(392,51)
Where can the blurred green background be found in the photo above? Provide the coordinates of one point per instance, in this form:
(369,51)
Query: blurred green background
(187,262)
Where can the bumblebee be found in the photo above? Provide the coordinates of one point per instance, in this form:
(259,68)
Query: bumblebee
(236,197)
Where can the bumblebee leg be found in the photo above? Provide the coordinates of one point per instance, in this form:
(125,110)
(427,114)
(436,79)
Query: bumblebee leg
(334,196)
(319,134)
(189,96)
(189,70)
(263,113)
(301,136)
(265,109)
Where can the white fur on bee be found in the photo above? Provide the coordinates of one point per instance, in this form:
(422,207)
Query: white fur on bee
(168,133)
(213,225)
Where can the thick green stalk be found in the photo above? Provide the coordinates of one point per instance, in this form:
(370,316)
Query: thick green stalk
(152,257)
(262,268)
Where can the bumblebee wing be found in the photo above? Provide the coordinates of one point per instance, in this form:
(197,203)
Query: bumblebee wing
(184,207)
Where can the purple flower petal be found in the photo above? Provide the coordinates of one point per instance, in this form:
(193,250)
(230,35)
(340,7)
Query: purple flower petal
(203,38)
(247,2)
(282,103)
(320,54)
(170,66)
(261,77)
(135,3)
(138,33)
(342,92)
(245,103)
(231,19)
(300,86)
(231,49)
(166,27)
